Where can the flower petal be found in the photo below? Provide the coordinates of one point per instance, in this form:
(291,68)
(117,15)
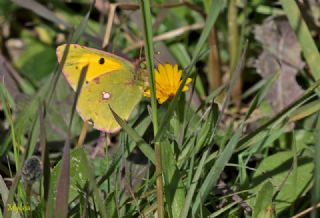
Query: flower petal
(163,99)
(189,80)
(168,69)
(185,88)
(177,74)
(167,81)
(147,93)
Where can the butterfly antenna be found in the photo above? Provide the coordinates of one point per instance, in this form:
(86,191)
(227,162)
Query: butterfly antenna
(156,58)
(140,53)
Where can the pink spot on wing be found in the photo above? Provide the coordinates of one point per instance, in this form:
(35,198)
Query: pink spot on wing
(96,80)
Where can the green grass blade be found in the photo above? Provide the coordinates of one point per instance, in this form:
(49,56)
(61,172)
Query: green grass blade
(111,206)
(309,48)
(148,46)
(73,38)
(215,9)
(222,210)
(81,28)
(96,191)
(22,123)
(214,174)
(181,54)
(79,86)
(41,10)
(33,138)
(305,111)
(145,148)
(149,52)
(234,78)
(281,116)
(62,199)
(5,101)
(111,169)
(316,186)
(46,171)
(12,191)
(261,94)
(192,189)
(3,190)
(64,179)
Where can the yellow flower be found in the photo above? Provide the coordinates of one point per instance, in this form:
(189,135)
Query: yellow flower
(168,80)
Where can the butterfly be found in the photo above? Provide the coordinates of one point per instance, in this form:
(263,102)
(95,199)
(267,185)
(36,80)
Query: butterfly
(110,81)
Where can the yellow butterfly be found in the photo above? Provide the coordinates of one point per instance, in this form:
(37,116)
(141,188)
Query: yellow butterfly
(110,81)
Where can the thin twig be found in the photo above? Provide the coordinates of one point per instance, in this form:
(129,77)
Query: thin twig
(308,210)
(132,7)
(183,3)
(167,35)
(106,38)
(83,134)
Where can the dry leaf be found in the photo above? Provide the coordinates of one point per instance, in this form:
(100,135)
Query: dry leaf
(281,52)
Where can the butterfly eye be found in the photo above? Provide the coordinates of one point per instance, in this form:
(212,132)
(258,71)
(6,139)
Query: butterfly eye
(106,95)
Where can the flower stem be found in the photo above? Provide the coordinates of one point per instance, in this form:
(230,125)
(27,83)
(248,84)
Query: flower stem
(159,182)
(148,39)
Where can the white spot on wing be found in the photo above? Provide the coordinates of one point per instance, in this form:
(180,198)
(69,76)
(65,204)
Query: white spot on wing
(106,95)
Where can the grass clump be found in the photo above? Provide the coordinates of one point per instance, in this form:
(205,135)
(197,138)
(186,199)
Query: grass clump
(226,125)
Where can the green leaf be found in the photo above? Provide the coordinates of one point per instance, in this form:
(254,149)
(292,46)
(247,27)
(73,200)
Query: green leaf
(278,169)
(78,173)
(37,61)
(263,203)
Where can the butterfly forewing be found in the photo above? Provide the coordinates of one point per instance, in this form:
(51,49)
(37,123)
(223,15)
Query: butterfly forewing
(99,62)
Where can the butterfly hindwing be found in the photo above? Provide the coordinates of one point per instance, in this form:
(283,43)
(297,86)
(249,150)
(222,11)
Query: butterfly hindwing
(117,89)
